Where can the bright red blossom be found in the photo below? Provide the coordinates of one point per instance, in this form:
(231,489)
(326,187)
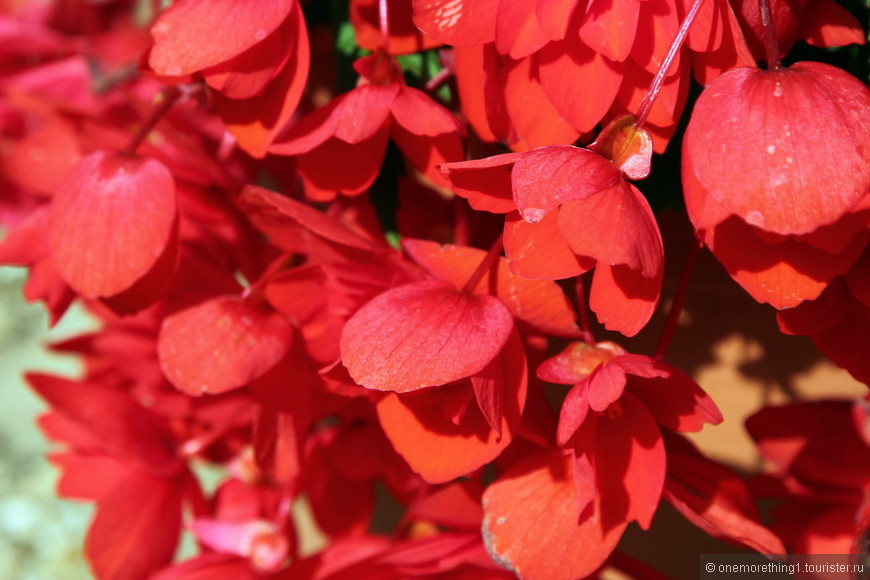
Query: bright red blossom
(783,199)
(573,212)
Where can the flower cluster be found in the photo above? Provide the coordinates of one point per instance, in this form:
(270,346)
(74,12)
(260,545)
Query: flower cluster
(347,251)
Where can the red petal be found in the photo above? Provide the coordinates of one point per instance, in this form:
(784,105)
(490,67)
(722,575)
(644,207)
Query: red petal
(629,463)
(111,221)
(221,344)
(136,528)
(475,88)
(184,33)
(488,387)
(781,274)
(539,252)
(794,157)
(705,33)
(257,121)
(798,439)
(210,566)
(352,117)
(616,226)
(555,16)
(610,26)
(485,183)
(656,30)
(277,215)
(247,74)
(622,299)
(426,132)
(732,51)
(844,343)
(88,477)
(438,449)
(283,416)
(361,164)
(457,23)
(573,413)
(567,69)
(814,316)
(833,25)
(534,122)
(423,334)
(531,525)
(539,303)
(673,398)
(517,30)
(119,425)
(544,178)
(714,498)
(455,505)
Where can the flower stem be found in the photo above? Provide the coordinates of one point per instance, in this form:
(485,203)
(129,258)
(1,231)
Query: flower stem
(384,22)
(583,312)
(488,262)
(656,86)
(254,292)
(771,44)
(165,99)
(677,304)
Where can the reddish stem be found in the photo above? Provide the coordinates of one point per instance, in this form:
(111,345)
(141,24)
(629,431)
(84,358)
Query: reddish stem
(771,44)
(384,21)
(583,312)
(254,292)
(441,77)
(488,262)
(656,86)
(165,99)
(679,299)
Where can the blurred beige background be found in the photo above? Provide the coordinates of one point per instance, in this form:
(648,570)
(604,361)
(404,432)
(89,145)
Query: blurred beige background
(41,536)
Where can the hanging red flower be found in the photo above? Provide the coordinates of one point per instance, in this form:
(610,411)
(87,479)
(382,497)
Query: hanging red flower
(776,179)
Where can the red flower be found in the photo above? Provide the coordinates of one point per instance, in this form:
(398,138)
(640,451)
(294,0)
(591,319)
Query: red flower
(113,224)
(123,456)
(781,194)
(574,211)
(355,126)
(612,473)
(824,472)
(258,68)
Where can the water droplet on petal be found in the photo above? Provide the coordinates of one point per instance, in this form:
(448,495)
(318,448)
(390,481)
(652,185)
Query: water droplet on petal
(777,90)
(533,215)
(770,149)
(755,218)
(260,34)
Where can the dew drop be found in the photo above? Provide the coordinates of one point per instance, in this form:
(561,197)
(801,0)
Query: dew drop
(789,160)
(260,34)
(533,215)
(777,90)
(755,218)
(770,149)
(501,520)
